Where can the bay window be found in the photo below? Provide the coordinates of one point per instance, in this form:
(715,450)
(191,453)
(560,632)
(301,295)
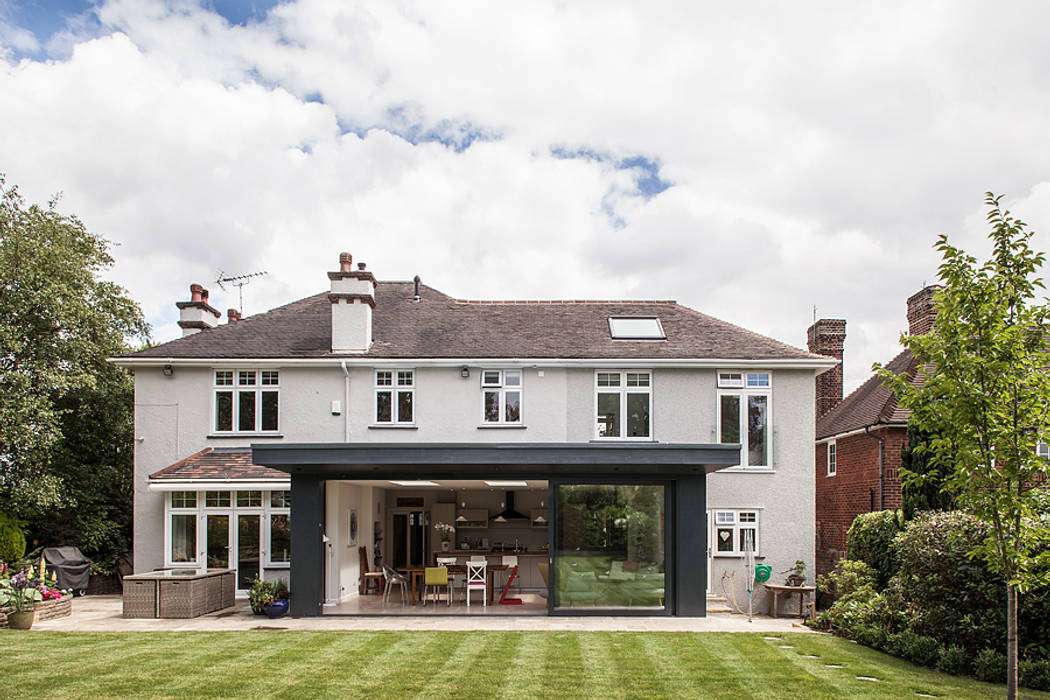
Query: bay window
(501,395)
(246,401)
(623,404)
(395,396)
(743,410)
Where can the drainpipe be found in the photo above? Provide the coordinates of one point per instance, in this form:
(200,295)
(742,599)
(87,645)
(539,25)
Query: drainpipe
(882,444)
(346,403)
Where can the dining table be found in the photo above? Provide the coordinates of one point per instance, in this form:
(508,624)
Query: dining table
(415,576)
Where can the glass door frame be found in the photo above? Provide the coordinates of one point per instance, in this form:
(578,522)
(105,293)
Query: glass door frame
(670,561)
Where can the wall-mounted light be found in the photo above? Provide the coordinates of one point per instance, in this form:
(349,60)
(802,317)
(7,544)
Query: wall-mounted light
(465,372)
(168,370)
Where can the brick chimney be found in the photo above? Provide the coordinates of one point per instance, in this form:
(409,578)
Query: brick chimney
(353,298)
(196,314)
(827,337)
(922,310)
(233,315)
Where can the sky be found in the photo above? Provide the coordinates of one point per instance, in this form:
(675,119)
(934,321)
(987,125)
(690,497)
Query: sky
(753,161)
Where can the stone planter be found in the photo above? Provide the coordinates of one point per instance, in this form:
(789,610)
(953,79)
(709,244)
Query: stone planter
(46,609)
(20,620)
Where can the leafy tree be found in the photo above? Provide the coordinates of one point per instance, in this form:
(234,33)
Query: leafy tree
(984,396)
(923,485)
(65,436)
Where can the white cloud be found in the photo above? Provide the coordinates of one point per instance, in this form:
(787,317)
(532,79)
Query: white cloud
(814,152)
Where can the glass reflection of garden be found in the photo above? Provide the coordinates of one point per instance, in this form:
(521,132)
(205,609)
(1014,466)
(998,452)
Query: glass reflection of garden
(610,548)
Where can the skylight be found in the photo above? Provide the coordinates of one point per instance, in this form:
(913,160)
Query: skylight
(636,328)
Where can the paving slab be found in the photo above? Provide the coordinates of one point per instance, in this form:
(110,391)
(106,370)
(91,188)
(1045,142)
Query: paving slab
(103,614)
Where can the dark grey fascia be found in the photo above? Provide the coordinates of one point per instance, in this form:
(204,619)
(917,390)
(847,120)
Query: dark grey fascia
(467,460)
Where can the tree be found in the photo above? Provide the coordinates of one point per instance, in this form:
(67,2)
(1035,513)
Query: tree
(983,395)
(922,483)
(65,438)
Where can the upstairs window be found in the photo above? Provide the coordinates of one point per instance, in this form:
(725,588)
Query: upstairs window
(246,401)
(395,396)
(636,328)
(832,459)
(623,405)
(744,402)
(501,396)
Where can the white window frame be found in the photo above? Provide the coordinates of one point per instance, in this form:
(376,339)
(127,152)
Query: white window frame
(501,387)
(623,390)
(202,511)
(395,388)
(721,521)
(235,388)
(833,456)
(744,384)
(1042,449)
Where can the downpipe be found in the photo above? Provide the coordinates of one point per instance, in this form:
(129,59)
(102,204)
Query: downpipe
(346,401)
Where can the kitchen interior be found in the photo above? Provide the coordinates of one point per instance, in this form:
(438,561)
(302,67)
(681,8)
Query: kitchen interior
(418,521)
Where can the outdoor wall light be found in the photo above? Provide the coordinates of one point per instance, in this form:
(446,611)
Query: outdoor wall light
(168,370)
(465,372)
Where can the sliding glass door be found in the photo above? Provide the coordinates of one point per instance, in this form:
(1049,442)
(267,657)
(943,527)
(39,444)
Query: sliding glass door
(609,547)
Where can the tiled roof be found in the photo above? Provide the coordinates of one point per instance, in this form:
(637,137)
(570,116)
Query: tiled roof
(870,404)
(218,463)
(442,327)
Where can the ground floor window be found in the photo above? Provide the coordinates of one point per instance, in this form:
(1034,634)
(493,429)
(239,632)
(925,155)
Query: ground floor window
(736,532)
(609,546)
(244,530)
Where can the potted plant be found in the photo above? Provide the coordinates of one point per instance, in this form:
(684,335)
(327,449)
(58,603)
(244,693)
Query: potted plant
(278,607)
(796,574)
(270,599)
(20,593)
(446,531)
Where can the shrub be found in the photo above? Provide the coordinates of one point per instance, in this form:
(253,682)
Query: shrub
(870,539)
(848,577)
(918,648)
(952,660)
(990,666)
(12,540)
(1034,674)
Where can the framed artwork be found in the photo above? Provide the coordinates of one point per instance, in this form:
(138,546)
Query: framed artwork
(351,528)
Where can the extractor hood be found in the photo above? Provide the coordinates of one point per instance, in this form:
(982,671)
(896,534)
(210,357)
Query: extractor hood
(508,513)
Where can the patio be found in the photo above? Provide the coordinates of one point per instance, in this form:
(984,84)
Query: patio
(103,614)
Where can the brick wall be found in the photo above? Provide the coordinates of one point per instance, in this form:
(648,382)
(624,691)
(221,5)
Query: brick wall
(855,487)
(827,337)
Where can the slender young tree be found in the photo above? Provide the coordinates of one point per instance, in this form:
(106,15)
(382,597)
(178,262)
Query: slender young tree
(983,396)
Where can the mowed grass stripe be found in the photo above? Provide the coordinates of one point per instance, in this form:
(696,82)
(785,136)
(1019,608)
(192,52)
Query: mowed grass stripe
(616,666)
(563,668)
(319,661)
(523,678)
(474,669)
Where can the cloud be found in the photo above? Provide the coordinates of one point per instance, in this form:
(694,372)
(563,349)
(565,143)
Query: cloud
(750,161)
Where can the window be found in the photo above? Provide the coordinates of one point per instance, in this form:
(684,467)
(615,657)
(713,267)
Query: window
(744,415)
(636,328)
(395,394)
(1042,449)
(623,405)
(247,405)
(832,459)
(501,396)
(199,530)
(736,532)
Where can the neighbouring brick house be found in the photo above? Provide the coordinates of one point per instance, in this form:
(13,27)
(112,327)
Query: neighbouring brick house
(858,439)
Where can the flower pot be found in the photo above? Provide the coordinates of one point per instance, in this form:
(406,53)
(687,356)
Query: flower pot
(445,545)
(21,620)
(277,608)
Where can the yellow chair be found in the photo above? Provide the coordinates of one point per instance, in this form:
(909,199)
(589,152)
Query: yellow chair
(436,577)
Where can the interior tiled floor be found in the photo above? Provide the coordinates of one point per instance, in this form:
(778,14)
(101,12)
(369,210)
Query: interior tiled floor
(374,605)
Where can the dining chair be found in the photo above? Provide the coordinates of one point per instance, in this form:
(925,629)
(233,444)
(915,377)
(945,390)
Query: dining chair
(511,562)
(477,580)
(393,578)
(435,577)
(450,563)
(369,577)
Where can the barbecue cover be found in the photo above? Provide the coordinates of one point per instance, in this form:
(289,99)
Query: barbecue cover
(71,567)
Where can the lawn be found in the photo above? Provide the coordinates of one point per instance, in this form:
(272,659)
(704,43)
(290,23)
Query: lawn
(461,664)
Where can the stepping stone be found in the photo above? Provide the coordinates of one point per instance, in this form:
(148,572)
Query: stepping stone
(868,678)
(924,695)
(771,639)
(810,656)
(785,646)
(834,666)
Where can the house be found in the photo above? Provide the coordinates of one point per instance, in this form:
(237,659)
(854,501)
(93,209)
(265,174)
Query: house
(623,453)
(859,439)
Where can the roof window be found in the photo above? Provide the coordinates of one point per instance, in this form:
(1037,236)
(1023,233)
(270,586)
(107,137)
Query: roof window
(636,328)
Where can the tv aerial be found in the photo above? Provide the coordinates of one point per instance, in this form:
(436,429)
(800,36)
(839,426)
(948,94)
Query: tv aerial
(237,281)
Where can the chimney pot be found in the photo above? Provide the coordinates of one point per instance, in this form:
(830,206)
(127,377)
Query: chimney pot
(922,310)
(233,315)
(346,262)
(360,266)
(204,295)
(195,292)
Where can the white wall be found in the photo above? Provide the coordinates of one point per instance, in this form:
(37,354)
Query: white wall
(344,572)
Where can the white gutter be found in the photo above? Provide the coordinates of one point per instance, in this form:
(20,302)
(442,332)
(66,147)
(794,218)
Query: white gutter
(859,431)
(480,362)
(346,402)
(226,484)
